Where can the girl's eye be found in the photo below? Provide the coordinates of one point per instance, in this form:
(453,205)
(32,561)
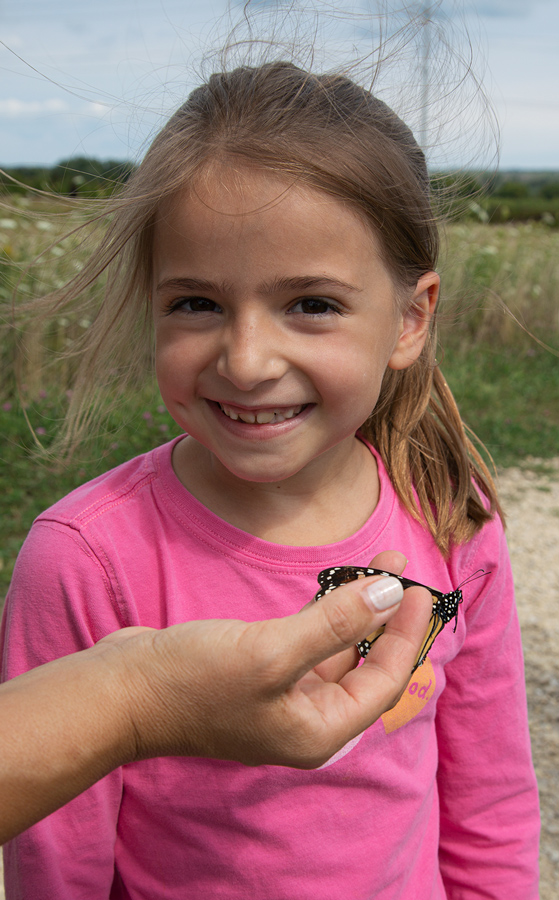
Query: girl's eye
(193,305)
(314,306)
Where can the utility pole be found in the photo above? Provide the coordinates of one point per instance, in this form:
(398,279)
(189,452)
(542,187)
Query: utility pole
(425,53)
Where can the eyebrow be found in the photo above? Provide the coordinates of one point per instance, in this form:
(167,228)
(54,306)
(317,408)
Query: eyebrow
(277,285)
(192,284)
(305,283)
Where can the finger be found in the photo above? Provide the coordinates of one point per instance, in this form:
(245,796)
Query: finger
(405,631)
(334,668)
(341,619)
(387,668)
(366,693)
(389,561)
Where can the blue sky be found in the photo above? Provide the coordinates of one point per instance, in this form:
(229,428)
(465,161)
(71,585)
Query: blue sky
(97,78)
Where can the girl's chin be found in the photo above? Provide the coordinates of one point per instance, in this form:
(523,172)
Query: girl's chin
(241,478)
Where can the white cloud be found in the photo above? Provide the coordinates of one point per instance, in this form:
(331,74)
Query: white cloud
(98,110)
(14,108)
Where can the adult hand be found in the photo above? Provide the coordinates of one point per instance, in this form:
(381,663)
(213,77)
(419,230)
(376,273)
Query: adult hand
(252,692)
(259,692)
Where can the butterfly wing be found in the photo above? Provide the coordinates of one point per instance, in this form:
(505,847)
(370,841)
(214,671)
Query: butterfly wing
(445,606)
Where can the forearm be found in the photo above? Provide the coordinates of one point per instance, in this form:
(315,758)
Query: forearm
(62,727)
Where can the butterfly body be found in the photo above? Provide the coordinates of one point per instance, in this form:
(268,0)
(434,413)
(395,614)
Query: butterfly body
(445,606)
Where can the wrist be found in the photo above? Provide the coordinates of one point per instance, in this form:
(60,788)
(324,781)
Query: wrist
(159,680)
(125,664)
(147,683)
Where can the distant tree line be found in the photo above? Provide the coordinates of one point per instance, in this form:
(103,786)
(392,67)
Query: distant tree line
(486,197)
(79,176)
(500,197)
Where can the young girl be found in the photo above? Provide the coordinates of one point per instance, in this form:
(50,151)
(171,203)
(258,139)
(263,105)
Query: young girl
(280,231)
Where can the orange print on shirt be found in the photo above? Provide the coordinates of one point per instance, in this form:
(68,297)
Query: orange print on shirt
(418,692)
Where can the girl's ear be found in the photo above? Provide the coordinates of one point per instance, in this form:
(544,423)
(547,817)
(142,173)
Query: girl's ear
(414,324)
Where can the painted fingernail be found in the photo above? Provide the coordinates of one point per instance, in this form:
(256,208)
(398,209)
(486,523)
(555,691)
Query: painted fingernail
(382,594)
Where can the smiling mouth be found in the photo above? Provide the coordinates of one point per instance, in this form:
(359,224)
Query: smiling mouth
(268,416)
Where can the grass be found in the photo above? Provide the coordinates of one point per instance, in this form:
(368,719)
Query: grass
(487,268)
(506,385)
(28,486)
(510,399)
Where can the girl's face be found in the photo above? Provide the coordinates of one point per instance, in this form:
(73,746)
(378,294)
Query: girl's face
(275,320)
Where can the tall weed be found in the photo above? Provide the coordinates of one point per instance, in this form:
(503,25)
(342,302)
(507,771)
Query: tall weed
(500,285)
(40,250)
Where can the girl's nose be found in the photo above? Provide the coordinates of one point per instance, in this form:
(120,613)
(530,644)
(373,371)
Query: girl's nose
(251,354)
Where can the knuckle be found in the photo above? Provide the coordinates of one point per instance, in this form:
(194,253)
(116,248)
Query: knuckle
(341,624)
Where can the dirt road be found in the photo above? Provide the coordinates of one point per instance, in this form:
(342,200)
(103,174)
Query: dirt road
(531,500)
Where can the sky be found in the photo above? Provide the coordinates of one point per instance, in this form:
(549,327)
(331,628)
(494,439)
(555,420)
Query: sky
(98,78)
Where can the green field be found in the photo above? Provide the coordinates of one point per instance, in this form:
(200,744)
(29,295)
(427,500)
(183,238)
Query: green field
(500,305)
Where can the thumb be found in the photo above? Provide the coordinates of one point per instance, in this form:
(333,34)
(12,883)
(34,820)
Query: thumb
(338,621)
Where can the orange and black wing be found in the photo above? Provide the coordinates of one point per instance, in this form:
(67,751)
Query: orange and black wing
(445,606)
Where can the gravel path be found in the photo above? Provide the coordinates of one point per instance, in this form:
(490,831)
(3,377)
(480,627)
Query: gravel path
(531,500)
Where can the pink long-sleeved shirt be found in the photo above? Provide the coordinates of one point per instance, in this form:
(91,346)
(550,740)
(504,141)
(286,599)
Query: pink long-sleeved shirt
(436,800)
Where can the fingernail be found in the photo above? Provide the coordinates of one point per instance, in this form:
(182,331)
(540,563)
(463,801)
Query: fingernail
(382,594)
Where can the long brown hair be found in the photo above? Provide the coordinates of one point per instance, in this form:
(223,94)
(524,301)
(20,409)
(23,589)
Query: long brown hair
(331,134)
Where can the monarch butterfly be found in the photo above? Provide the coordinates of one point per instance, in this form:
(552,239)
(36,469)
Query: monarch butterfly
(445,606)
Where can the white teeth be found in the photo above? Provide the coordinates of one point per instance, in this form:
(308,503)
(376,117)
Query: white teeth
(263,416)
(247,417)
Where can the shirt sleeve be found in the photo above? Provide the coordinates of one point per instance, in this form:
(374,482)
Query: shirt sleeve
(60,601)
(487,787)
